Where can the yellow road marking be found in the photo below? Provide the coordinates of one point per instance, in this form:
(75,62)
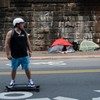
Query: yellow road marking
(56,72)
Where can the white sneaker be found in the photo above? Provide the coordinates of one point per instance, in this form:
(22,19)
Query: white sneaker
(31,83)
(12,83)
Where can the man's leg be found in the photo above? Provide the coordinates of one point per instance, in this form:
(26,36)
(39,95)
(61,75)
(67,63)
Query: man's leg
(14,64)
(28,73)
(13,74)
(25,66)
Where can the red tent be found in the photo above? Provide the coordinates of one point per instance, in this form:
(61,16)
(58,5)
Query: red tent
(61,42)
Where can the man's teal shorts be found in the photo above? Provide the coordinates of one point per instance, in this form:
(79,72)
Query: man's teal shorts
(23,61)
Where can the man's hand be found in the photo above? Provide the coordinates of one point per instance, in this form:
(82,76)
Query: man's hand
(30,54)
(9,57)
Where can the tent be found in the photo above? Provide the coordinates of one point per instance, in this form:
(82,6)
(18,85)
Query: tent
(61,42)
(87,45)
(59,45)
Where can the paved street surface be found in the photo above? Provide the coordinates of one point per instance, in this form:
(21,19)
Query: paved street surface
(60,79)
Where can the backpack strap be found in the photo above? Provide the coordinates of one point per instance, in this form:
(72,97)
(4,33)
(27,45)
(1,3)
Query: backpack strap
(12,33)
(25,33)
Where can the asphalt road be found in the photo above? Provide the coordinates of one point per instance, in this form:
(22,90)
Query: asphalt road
(65,79)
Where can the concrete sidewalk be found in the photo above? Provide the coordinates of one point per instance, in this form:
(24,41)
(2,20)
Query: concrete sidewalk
(45,55)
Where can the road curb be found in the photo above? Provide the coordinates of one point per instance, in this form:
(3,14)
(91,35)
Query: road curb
(64,57)
(58,57)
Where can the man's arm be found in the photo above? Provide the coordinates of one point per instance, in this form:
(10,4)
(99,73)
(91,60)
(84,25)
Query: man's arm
(7,44)
(29,46)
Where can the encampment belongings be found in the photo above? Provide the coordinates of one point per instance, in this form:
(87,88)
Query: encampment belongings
(75,46)
(87,45)
(56,48)
(70,49)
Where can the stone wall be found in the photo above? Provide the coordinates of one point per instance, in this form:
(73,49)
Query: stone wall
(46,22)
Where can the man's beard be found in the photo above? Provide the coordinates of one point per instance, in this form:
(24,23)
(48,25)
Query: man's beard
(21,28)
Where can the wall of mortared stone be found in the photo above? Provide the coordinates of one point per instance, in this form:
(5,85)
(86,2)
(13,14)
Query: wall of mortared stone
(46,22)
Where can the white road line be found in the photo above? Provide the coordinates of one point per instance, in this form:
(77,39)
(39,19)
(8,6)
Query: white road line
(5,95)
(39,99)
(57,63)
(98,98)
(8,64)
(49,63)
(64,98)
